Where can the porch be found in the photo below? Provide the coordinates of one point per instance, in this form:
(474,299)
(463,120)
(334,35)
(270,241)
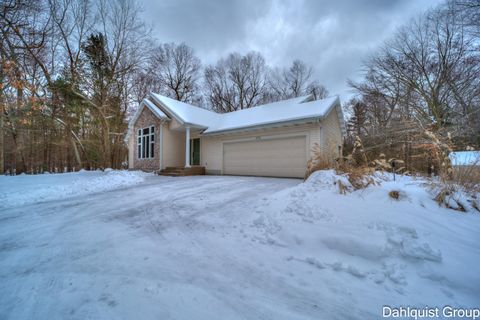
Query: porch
(179,151)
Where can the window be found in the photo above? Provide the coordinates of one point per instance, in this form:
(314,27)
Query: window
(146,143)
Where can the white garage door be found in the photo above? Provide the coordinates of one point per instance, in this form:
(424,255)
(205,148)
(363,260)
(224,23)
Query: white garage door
(279,157)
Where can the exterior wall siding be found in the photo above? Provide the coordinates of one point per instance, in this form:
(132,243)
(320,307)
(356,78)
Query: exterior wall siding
(331,135)
(211,147)
(173,146)
(175,125)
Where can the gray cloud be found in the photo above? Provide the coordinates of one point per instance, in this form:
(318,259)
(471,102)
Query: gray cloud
(333,36)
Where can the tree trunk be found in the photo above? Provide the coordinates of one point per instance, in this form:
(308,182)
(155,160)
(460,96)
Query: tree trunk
(2,140)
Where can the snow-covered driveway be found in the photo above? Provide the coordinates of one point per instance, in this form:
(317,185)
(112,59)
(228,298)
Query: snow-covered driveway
(128,245)
(168,248)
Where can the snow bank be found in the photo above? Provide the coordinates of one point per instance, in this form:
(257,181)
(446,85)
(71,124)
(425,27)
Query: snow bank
(27,189)
(373,242)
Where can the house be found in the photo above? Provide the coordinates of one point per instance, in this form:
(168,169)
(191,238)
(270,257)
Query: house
(465,158)
(274,139)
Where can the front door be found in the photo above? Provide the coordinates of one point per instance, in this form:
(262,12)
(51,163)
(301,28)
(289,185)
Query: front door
(195,152)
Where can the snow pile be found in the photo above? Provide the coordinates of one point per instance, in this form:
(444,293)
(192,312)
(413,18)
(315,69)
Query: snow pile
(27,189)
(410,247)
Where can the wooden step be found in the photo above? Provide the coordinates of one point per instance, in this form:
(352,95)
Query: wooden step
(182,171)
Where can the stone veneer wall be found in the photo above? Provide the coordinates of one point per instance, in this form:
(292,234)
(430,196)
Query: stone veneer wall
(147,119)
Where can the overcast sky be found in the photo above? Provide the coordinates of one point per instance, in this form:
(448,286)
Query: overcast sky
(333,36)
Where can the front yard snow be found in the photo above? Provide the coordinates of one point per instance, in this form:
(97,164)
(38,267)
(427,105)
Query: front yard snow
(230,248)
(26,189)
(365,244)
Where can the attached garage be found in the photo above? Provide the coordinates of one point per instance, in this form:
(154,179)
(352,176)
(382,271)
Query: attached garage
(271,157)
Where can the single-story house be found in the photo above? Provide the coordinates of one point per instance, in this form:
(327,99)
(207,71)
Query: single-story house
(274,139)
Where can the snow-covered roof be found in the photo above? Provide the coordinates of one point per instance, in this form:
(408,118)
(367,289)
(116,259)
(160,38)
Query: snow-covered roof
(295,109)
(159,113)
(186,113)
(465,158)
(281,111)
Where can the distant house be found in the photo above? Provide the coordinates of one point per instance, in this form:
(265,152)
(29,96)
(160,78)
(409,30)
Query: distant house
(465,158)
(275,139)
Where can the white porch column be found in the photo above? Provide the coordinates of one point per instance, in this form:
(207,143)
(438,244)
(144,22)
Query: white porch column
(160,146)
(187,147)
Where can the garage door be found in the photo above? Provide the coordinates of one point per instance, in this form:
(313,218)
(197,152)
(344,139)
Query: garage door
(282,157)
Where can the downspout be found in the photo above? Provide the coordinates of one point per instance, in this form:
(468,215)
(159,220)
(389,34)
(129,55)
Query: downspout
(320,133)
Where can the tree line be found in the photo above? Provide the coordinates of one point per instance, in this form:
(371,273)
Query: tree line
(425,78)
(72,71)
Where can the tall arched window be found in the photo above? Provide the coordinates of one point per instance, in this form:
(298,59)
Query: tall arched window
(146,143)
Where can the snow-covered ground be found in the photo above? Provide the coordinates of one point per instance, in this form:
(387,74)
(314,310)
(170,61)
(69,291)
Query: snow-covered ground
(209,247)
(25,189)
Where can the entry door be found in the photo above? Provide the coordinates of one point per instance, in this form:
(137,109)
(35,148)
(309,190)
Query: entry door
(195,151)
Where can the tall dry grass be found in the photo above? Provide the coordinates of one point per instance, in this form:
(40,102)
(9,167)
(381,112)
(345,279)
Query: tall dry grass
(462,179)
(319,161)
(467,174)
(357,172)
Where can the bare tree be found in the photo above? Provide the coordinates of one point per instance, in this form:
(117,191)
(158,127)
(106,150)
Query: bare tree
(358,122)
(295,81)
(468,12)
(145,80)
(238,82)
(114,57)
(297,77)
(49,87)
(177,68)
(427,68)
(317,90)
(424,78)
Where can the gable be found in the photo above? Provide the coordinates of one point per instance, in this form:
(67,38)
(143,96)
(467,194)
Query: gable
(154,112)
(146,118)
(186,113)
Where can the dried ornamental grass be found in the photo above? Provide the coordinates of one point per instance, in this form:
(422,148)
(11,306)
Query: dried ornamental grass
(319,161)
(394,194)
(445,198)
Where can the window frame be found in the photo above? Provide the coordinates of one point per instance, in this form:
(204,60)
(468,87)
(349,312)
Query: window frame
(146,143)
